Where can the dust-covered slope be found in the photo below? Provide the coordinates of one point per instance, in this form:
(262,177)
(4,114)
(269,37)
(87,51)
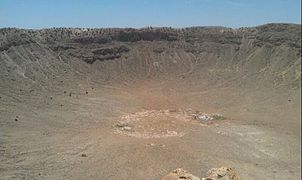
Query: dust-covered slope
(271,52)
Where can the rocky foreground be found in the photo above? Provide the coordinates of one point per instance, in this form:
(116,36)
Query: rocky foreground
(222,173)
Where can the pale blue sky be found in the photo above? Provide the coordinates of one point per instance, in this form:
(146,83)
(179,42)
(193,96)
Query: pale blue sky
(142,13)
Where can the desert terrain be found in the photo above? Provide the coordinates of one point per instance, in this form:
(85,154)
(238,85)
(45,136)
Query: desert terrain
(115,103)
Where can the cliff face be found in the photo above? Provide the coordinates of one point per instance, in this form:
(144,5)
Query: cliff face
(270,52)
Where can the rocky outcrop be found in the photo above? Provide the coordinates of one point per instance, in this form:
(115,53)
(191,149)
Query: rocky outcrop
(180,174)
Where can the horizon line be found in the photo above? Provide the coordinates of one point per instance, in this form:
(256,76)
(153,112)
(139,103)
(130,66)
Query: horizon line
(156,27)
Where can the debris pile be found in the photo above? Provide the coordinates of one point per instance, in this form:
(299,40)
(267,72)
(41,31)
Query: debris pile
(162,123)
(152,124)
(222,173)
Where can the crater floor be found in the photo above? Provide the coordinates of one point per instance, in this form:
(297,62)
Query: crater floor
(139,103)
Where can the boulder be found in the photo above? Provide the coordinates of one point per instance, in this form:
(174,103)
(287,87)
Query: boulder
(180,174)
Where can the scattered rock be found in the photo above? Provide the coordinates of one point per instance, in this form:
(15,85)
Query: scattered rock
(86,92)
(172,133)
(84,155)
(162,123)
(123,126)
(156,145)
(162,145)
(158,50)
(126,128)
(217,117)
(150,144)
(65,92)
(50,97)
(180,174)
(207,117)
(222,173)
(203,117)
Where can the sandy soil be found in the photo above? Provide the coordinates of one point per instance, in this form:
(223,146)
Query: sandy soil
(75,137)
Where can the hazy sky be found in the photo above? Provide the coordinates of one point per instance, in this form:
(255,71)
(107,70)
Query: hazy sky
(142,13)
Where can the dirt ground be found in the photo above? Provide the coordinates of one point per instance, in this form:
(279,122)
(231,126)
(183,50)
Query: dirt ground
(75,138)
